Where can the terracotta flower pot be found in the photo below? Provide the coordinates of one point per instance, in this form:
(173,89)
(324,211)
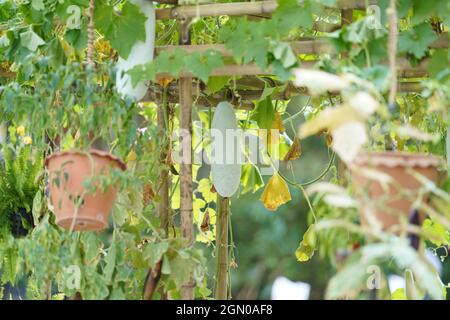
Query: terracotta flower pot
(389,203)
(67,172)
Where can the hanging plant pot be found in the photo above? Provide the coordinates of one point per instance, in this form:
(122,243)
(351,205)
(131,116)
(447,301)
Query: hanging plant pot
(74,207)
(389,201)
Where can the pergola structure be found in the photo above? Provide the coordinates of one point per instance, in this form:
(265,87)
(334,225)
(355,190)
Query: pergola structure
(249,87)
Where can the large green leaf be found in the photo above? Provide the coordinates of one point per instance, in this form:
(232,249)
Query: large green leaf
(291,14)
(153,252)
(171,62)
(30,40)
(217,83)
(438,62)
(251,179)
(181,269)
(203,64)
(424,9)
(110,261)
(417,40)
(264,114)
(123,30)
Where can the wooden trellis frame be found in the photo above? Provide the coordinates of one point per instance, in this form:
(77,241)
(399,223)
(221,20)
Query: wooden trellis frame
(302,47)
(183,91)
(250,87)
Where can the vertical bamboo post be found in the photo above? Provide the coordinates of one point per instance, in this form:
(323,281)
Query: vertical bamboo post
(163,204)
(90,35)
(346,19)
(223,210)
(187,228)
(392,56)
(392,49)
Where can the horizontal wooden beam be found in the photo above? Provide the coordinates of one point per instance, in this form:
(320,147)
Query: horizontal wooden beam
(308,46)
(7,74)
(217,9)
(410,87)
(172,2)
(244,98)
(317,46)
(228,70)
(238,9)
(405,70)
(342,4)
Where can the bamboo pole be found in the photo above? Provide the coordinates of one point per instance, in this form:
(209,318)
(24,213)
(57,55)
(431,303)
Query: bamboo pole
(7,74)
(236,70)
(218,9)
(187,228)
(341,3)
(391,12)
(239,8)
(90,35)
(316,46)
(223,209)
(247,96)
(307,46)
(407,71)
(346,19)
(173,2)
(163,204)
(392,49)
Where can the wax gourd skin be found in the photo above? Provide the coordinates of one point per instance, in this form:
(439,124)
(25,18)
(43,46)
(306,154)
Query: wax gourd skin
(141,53)
(226,166)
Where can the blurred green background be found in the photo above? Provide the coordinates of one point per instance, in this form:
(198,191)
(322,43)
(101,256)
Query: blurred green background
(266,241)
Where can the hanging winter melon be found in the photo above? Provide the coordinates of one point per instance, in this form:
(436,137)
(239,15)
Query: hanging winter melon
(141,53)
(226,160)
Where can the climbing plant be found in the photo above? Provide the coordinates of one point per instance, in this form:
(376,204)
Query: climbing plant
(371,77)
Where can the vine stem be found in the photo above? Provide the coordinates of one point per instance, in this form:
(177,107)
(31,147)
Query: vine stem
(320,176)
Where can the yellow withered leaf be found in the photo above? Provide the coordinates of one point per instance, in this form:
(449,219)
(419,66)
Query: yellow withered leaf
(307,246)
(295,151)
(164,81)
(132,156)
(276,193)
(278,123)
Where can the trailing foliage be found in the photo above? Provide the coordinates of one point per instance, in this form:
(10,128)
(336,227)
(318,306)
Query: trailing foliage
(61,104)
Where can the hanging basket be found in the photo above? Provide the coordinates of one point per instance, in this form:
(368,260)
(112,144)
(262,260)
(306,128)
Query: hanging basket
(74,208)
(389,203)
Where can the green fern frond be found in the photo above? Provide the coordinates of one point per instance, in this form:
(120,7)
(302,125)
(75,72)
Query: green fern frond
(20,176)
